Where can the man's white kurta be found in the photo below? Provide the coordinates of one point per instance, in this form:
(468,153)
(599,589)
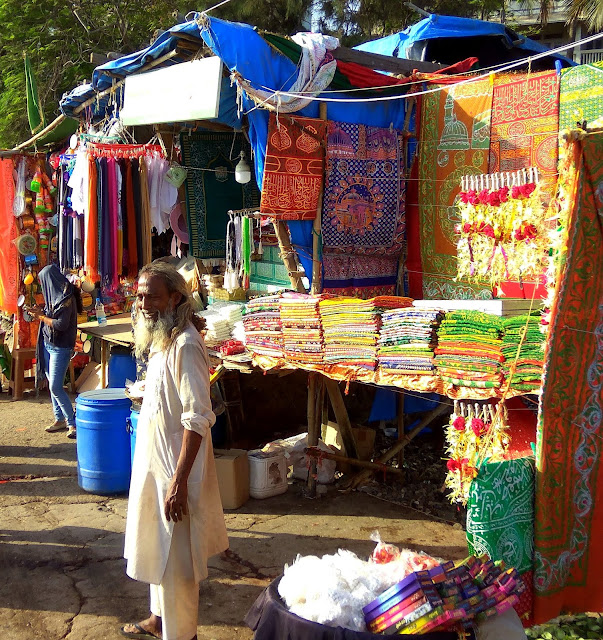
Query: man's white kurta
(176,398)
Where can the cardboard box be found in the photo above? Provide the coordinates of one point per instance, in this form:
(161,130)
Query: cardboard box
(232,467)
(365,443)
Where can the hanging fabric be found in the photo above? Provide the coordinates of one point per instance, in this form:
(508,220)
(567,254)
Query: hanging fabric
(455,139)
(9,260)
(525,126)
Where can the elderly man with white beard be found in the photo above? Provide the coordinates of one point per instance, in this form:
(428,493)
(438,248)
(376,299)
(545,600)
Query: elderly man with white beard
(175,520)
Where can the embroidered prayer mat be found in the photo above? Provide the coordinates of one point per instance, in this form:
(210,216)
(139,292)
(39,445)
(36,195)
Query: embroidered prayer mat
(359,276)
(580,95)
(9,261)
(363,204)
(211,189)
(294,167)
(569,483)
(500,517)
(525,125)
(455,138)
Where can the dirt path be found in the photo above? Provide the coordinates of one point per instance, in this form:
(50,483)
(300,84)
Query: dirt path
(61,566)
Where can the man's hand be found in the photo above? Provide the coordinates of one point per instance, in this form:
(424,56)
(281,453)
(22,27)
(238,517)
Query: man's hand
(175,506)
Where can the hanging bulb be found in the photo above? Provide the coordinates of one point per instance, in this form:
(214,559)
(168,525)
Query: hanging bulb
(242,170)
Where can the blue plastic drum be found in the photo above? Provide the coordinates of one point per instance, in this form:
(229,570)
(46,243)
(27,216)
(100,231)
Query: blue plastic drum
(132,427)
(103,442)
(122,367)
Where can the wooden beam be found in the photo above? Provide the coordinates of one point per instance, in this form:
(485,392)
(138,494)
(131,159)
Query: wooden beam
(312,431)
(359,478)
(341,417)
(314,452)
(55,123)
(385,63)
(288,255)
(317,225)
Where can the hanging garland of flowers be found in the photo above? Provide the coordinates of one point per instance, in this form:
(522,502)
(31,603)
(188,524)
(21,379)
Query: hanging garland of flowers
(502,234)
(474,435)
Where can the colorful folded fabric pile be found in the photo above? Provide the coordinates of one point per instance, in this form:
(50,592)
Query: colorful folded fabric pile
(469,351)
(407,340)
(450,597)
(263,329)
(351,328)
(302,329)
(526,375)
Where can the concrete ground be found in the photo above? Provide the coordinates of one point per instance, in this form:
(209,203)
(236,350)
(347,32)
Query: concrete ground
(61,567)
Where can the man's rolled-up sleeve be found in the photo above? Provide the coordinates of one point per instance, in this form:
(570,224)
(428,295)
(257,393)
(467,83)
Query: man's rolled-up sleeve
(192,378)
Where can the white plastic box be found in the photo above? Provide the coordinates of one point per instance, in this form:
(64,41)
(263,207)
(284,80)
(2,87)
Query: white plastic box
(267,474)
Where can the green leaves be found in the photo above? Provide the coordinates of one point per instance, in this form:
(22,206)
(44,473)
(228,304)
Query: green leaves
(579,627)
(58,38)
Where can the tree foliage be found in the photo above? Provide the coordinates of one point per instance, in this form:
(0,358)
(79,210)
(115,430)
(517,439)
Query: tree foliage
(59,37)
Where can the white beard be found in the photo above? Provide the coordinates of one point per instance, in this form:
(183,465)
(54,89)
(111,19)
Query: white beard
(153,334)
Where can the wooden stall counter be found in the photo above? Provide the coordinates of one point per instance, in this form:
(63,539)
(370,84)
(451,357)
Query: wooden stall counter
(117,330)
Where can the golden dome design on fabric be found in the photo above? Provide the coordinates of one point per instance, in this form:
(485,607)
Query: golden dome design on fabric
(455,136)
(340,143)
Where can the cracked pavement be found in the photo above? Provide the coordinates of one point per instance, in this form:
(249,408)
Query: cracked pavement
(62,575)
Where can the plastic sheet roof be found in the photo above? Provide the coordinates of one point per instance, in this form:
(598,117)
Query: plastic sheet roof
(436,27)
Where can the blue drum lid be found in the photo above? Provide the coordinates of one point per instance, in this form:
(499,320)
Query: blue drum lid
(103,396)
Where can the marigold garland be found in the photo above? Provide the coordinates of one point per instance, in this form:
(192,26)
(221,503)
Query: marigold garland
(474,435)
(503,234)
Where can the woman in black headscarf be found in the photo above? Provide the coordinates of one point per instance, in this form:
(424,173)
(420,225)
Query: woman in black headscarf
(56,340)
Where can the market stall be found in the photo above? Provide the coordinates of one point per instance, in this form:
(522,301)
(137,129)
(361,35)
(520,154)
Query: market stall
(418,238)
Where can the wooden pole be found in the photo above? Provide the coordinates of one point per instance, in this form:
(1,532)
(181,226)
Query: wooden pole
(55,123)
(359,478)
(400,427)
(288,255)
(316,227)
(312,431)
(319,453)
(342,418)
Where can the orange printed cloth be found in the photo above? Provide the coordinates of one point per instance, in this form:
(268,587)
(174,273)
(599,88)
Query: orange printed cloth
(455,141)
(569,477)
(525,125)
(9,256)
(294,167)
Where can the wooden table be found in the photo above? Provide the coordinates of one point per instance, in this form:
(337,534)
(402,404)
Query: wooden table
(118,330)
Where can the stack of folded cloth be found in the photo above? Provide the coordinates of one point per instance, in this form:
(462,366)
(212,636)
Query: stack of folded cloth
(351,328)
(263,329)
(302,329)
(469,351)
(527,374)
(218,327)
(407,340)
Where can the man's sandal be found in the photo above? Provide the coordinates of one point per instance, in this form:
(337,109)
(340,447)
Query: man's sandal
(139,633)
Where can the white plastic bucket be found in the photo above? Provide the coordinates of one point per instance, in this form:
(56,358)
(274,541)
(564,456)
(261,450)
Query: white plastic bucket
(267,474)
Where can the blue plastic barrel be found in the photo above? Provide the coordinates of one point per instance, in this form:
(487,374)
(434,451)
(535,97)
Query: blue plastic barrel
(122,367)
(132,424)
(103,443)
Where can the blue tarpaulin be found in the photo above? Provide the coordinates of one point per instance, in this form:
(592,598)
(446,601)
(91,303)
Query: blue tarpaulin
(104,75)
(404,44)
(242,49)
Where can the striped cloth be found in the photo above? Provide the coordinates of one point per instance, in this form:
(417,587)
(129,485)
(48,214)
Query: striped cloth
(407,340)
(351,328)
(302,328)
(527,374)
(469,350)
(262,324)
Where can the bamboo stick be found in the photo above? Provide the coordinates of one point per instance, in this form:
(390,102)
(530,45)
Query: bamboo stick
(314,452)
(359,478)
(316,228)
